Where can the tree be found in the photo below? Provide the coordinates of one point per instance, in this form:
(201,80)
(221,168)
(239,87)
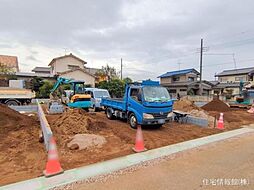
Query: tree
(127,80)
(108,71)
(36,83)
(5,70)
(115,86)
(44,90)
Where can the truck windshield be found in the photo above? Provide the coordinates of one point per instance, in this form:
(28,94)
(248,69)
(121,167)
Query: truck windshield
(101,94)
(155,94)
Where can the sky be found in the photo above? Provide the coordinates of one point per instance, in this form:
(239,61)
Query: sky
(152,37)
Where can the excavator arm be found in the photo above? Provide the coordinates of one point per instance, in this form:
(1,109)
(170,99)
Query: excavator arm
(59,82)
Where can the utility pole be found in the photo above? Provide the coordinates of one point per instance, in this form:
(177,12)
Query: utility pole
(201,65)
(121,69)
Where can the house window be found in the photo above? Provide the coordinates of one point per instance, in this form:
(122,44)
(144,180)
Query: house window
(176,79)
(239,78)
(183,90)
(190,78)
(172,91)
(72,67)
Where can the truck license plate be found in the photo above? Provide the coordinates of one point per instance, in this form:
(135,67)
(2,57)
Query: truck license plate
(161,121)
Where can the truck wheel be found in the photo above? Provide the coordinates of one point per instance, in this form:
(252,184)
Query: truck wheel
(133,121)
(12,103)
(94,109)
(109,113)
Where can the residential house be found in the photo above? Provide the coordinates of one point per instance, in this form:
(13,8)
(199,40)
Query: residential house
(229,80)
(10,62)
(184,82)
(70,66)
(236,75)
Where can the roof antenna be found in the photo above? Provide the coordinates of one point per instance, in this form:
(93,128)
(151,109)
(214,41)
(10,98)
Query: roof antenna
(65,51)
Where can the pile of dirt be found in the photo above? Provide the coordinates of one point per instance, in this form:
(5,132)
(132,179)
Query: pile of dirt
(11,120)
(189,106)
(73,122)
(216,105)
(21,156)
(86,141)
(185,105)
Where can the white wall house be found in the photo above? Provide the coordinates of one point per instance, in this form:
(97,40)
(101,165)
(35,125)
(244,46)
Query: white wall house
(70,66)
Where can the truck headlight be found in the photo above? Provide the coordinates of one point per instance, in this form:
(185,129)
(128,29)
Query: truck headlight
(170,114)
(147,116)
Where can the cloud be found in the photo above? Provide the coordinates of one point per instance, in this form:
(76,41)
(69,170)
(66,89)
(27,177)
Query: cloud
(150,36)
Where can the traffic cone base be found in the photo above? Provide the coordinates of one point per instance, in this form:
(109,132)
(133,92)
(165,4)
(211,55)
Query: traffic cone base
(46,174)
(139,150)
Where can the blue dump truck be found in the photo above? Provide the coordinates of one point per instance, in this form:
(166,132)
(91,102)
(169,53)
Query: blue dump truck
(145,103)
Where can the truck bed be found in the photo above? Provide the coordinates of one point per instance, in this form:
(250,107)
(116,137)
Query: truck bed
(116,103)
(15,93)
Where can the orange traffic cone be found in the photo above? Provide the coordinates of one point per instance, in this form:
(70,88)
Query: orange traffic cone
(53,166)
(220,124)
(139,145)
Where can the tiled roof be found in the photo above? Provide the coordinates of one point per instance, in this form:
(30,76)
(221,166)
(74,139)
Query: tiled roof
(43,69)
(26,74)
(77,69)
(9,61)
(236,71)
(70,55)
(180,72)
(92,70)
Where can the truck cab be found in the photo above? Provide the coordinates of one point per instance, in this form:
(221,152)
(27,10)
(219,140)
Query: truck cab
(145,103)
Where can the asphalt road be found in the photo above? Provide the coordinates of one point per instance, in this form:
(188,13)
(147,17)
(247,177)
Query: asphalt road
(224,165)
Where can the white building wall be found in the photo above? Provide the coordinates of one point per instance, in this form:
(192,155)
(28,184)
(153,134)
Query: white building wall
(62,65)
(79,75)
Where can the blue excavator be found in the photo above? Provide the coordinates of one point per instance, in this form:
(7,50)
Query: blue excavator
(73,98)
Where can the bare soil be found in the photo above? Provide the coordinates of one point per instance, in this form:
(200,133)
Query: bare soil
(216,105)
(21,156)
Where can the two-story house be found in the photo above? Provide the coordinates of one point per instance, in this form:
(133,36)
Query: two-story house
(230,80)
(236,75)
(184,82)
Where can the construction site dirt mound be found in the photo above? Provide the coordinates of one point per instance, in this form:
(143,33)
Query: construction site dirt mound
(189,106)
(21,156)
(185,105)
(216,105)
(73,122)
(11,120)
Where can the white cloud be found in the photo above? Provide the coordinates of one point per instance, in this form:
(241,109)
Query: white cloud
(150,36)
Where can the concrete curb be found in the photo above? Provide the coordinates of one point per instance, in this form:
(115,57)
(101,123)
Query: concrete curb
(119,163)
(47,133)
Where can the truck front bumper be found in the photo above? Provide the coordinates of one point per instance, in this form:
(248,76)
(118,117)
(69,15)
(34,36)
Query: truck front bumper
(156,121)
